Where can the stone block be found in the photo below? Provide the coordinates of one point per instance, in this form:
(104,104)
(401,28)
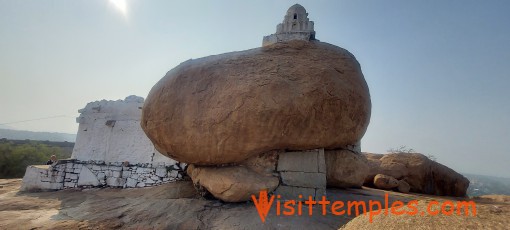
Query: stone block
(57,186)
(135,175)
(115,182)
(126,174)
(96,167)
(303,179)
(161,172)
(140,185)
(305,161)
(115,168)
(72,176)
(59,179)
(87,178)
(77,170)
(321,161)
(149,181)
(173,174)
(116,173)
(101,176)
(293,193)
(69,184)
(131,183)
(140,170)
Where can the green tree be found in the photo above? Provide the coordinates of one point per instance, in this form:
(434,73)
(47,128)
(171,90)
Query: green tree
(14,158)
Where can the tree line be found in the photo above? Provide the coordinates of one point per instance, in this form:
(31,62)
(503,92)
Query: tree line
(15,156)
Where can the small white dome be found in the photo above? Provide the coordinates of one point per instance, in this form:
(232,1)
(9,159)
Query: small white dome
(296,9)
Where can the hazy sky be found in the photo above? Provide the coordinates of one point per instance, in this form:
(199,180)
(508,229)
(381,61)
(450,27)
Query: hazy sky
(438,71)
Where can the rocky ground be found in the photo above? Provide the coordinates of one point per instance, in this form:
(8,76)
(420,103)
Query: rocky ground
(176,206)
(493,212)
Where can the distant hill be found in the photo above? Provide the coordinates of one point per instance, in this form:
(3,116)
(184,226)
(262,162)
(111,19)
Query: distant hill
(40,136)
(485,185)
(5,127)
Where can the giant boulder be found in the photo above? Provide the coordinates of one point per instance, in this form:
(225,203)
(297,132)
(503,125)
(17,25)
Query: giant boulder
(226,108)
(422,174)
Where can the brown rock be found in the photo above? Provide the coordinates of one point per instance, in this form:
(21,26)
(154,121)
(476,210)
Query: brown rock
(374,165)
(264,163)
(403,186)
(345,169)
(231,183)
(225,108)
(422,174)
(385,182)
(387,167)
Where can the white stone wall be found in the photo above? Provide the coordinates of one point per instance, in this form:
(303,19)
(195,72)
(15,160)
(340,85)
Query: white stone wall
(86,174)
(282,37)
(42,177)
(111,150)
(110,132)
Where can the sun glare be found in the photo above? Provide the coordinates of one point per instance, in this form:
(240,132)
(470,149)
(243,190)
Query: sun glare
(120,5)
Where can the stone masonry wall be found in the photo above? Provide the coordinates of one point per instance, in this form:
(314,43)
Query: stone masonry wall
(111,150)
(282,37)
(302,173)
(86,174)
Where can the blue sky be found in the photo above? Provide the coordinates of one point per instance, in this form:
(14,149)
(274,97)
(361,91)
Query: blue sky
(438,71)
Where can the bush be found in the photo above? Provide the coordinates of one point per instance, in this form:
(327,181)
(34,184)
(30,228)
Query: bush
(401,149)
(405,149)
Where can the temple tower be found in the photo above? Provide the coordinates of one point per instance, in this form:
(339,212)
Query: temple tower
(295,26)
